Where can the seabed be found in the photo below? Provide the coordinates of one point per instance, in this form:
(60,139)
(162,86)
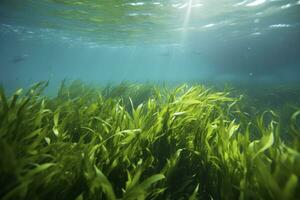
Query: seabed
(143,141)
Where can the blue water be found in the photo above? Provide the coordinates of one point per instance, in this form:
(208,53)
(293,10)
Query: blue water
(206,41)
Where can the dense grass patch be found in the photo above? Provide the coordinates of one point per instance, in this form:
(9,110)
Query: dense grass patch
(145,142)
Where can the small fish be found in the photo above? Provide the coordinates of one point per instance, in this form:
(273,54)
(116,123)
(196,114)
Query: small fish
(19,58)
(197,52)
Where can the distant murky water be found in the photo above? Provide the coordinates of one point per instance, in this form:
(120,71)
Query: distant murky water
(166,41)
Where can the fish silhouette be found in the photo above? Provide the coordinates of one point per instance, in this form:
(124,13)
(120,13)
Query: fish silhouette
(197,52)
(19,58)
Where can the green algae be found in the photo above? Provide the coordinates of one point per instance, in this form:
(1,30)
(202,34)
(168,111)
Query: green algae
(144,142)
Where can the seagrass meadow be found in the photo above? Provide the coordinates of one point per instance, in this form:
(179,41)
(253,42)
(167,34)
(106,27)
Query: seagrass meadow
(149,100)
(143,141)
